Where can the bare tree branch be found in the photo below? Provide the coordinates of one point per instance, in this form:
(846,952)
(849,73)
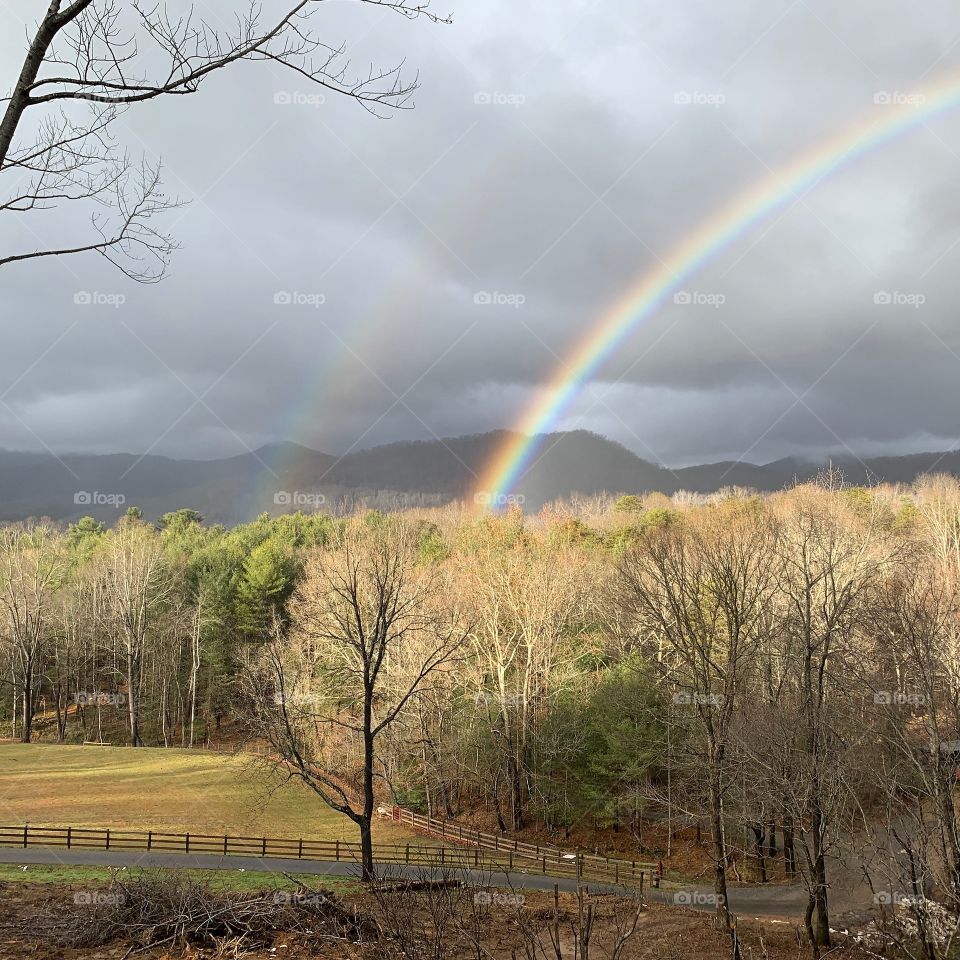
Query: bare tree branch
(106,55)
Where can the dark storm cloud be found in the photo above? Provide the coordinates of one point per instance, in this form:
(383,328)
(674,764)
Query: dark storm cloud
(548,161)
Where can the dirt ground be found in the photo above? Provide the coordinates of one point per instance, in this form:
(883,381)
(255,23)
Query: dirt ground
(30,913)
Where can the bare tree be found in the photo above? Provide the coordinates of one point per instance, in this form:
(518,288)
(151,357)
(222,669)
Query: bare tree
(697,592)
(89,60)
(366,632)
(832,556)
(916,625)
(31,571)
(135,582)
(527,599)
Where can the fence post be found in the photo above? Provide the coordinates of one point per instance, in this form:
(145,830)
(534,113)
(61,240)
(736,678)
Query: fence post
(186,842)
(224,844)
(69,829)
(149,839)
(264,848)
(25,828)
(408,854)
(336,854)
(108,840)
(511,861)
(300,850)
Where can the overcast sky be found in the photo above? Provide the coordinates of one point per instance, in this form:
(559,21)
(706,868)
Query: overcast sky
(547,159)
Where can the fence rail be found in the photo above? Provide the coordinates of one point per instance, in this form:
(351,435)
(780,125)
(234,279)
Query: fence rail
(551,863)
(588,866)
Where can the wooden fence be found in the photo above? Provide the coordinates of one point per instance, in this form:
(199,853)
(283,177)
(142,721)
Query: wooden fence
(589,866)
(550,863)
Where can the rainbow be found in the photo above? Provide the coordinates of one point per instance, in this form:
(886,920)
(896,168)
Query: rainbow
(412,276)
(901,113)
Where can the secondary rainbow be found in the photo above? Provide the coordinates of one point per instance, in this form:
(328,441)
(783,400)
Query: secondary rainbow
(900,113)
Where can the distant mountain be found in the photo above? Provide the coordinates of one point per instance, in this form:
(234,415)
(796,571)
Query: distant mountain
(285,476)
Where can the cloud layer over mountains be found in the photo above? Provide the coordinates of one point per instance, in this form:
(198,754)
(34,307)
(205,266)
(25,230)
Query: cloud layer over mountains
(327,286)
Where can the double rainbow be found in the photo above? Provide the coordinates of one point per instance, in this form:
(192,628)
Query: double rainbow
(899,114)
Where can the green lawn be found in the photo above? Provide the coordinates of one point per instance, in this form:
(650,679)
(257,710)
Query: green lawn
(164,790)
(231,880)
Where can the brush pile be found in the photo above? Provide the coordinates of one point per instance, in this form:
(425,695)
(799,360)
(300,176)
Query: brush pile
(152,909)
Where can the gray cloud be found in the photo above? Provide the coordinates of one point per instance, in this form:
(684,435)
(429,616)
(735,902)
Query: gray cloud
(547,159)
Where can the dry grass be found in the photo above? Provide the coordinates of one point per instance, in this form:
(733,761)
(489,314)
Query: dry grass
(162,789)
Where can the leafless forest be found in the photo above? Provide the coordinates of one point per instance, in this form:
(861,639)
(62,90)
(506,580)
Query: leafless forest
(779,673)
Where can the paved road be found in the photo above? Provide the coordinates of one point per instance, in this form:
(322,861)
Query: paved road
(785,902)
(213,861)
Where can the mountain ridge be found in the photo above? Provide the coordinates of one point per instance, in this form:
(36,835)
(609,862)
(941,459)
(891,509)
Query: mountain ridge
(278,477)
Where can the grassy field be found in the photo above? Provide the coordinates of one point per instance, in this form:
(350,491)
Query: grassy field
(231,880)
(164,790)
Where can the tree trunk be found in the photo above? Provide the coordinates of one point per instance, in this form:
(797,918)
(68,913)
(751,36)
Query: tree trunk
(366,849)
(28,74)
(366,816)
(194,670)
(821,915)
(759,851)
(719,852)
(133,699)
(165,713)
(516,793)
(808,923)
(60,697)
(26,730)
(789,850)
